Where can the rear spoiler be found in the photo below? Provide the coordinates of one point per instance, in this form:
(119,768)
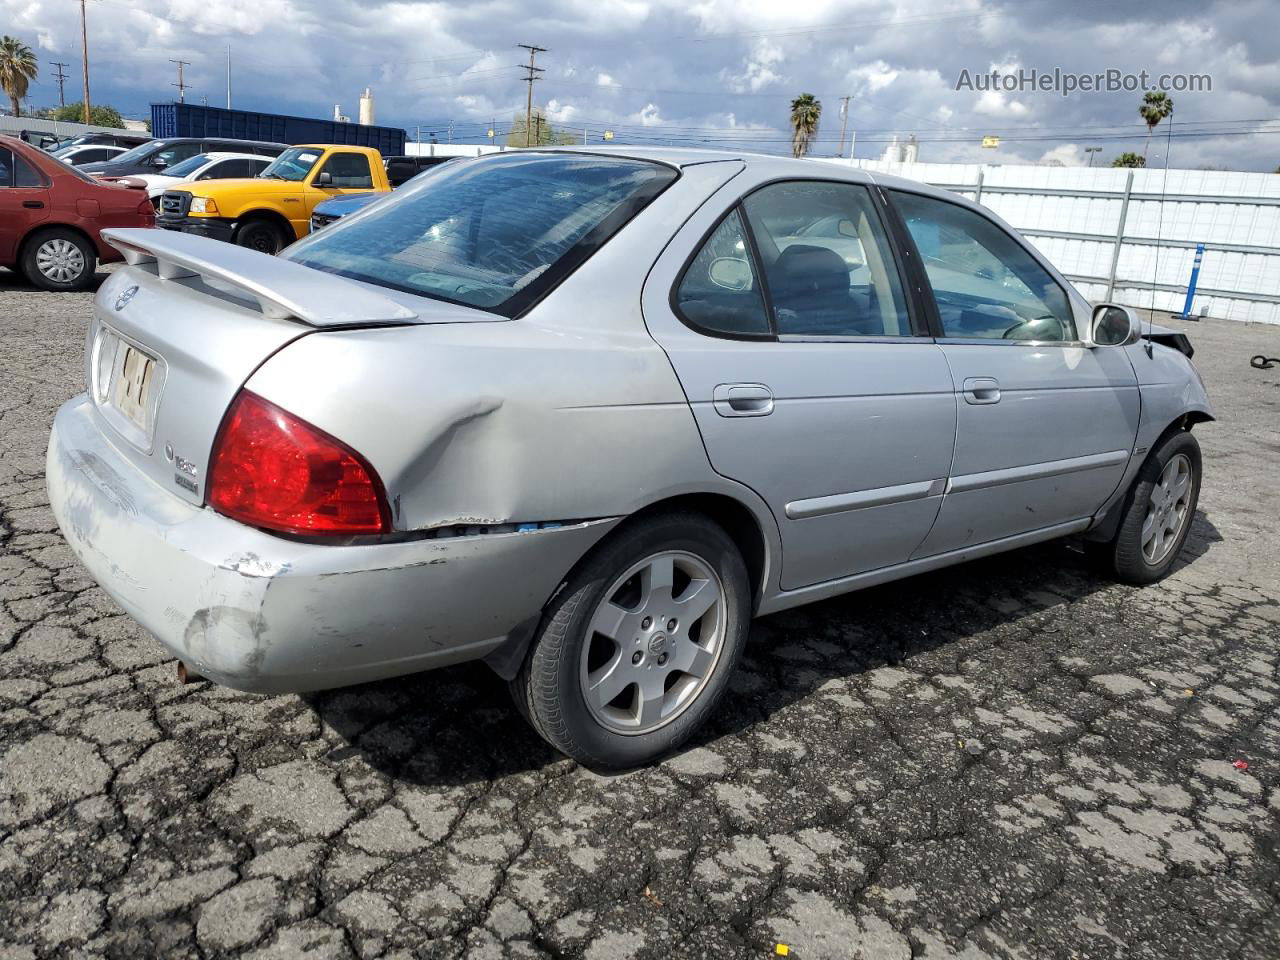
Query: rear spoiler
(284,290)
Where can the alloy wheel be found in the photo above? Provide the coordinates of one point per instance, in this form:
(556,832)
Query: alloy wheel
(653,642)
(1167,510)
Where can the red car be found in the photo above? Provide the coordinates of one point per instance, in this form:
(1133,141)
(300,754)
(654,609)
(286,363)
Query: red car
(51,215)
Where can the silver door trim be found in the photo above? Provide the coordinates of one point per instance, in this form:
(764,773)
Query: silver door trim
(857,500)
(1035,471)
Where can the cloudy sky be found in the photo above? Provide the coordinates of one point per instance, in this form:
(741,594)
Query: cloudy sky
(700,71)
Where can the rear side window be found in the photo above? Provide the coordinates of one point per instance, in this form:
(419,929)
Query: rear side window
(350,170)
(720,291)
(828,265)
(16,172)
(496,233)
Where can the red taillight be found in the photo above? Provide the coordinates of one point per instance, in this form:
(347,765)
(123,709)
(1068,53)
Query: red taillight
(272,470)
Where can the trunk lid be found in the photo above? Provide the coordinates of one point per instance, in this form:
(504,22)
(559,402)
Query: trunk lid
(177,333)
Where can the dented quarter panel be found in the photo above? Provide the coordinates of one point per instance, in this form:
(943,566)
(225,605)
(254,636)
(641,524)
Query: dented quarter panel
(262,613)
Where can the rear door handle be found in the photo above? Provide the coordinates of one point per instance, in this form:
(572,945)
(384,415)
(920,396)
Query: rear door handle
(33,204)
(742,400)
(981,390)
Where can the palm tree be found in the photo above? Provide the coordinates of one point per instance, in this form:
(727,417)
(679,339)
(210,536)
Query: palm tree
(806,110)
(1155,107)
(18,67)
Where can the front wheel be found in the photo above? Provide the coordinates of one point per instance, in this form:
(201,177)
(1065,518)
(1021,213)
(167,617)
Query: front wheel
(60,260)
(1157,513)
(635,651)
(261,235)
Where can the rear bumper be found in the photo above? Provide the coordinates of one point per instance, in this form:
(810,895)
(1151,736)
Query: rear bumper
(261,613)
(210,227)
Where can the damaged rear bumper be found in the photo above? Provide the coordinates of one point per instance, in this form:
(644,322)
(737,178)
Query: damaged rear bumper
(261,613)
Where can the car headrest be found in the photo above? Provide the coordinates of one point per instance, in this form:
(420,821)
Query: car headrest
(804,270)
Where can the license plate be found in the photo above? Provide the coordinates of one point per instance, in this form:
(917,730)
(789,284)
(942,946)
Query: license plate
(131,393)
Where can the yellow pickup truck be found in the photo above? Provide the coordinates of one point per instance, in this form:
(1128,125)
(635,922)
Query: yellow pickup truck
(271,210)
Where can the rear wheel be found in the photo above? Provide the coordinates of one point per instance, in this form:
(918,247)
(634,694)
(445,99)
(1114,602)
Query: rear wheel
(635,651)
(261,235)
(59,259)
(1157,513)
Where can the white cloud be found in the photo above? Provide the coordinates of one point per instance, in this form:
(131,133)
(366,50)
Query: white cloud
(647,116)
(758,69)
(993,103)
(604,80)
(1065,155)
(558,112)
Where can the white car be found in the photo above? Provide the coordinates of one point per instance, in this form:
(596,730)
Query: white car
(203,166)
(88,153)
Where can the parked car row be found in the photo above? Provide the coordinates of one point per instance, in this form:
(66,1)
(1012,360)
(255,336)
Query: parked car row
(52,216)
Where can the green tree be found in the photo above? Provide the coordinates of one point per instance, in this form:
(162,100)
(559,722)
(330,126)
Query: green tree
(18,67)
(543,134)
(806,111)
(99,115)
(1129,159)
(1156,105)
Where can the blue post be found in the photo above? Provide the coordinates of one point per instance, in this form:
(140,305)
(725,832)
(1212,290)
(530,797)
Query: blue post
(1191,287)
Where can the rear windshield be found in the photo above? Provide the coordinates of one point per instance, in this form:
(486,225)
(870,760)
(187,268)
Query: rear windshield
(189,165)
(495,233)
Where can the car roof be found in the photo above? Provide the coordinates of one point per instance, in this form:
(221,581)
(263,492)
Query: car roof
(224,155)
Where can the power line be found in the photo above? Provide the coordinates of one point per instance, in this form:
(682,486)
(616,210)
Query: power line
(530,79)
(61,78)
(84,56)
(182,87)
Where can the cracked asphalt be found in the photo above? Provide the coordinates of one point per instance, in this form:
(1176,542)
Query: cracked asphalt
(1012,758)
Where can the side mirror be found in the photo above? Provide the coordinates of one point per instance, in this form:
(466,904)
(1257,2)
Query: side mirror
(324,179)
(1114,326)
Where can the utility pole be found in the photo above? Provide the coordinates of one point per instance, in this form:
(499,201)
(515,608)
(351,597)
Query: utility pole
(61,78)
(84,56)
(228,76)
(182,87)
(533,75)
(844,123)
(1091,151)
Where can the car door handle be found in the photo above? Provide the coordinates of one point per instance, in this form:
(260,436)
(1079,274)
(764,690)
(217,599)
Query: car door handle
(981,390)
(742,400)
(33,204)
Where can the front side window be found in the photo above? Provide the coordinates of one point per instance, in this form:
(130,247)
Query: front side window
(720,291)
(495,233)
(293,165)
(349,170)
(986,284)
(827,263)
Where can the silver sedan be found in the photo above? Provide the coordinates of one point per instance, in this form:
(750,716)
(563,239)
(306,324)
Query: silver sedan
(582,414)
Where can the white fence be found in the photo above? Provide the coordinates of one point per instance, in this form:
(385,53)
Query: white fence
(58,128)
(1110,233)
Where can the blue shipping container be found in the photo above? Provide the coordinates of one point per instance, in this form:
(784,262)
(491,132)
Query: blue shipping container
(193,120)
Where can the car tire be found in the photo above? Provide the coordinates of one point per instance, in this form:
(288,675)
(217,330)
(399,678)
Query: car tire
(1158,513)
(661,645)
(60,260)
(259,234)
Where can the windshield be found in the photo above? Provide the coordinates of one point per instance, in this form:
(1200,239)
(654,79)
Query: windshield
(294,164)
(495,233)
(138,153)
(187,166)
